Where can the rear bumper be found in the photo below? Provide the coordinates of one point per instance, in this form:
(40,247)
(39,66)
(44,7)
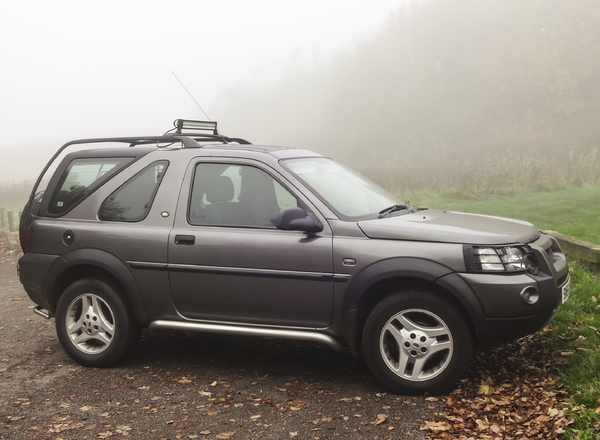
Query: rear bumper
(33,271)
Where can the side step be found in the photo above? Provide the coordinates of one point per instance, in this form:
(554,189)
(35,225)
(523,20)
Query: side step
(249,331)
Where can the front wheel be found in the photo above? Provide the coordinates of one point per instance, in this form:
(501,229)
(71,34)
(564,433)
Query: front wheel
(95,324)
(416,342)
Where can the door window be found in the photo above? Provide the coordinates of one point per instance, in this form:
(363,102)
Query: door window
(236,195)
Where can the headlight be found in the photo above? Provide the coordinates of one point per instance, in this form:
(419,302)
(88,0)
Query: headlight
(500,259)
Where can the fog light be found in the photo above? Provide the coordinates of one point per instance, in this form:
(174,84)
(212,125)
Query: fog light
(530,295)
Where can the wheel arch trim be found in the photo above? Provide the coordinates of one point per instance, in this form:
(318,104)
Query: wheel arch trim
(108,263)
(421,269)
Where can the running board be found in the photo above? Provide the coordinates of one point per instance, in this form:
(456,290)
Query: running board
(248,331)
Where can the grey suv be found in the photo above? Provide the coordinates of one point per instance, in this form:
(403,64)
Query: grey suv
(199,232)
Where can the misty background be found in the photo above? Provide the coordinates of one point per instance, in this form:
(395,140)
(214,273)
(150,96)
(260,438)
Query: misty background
(459,95)
(475,95)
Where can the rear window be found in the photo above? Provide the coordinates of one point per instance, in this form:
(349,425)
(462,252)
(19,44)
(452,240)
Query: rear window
(80,177)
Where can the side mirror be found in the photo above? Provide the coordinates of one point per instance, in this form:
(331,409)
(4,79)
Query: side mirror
(295,219)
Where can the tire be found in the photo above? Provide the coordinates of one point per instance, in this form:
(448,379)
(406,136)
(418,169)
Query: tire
(415,342)
(95,324)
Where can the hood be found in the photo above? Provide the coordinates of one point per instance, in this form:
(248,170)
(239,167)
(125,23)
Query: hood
(451,227)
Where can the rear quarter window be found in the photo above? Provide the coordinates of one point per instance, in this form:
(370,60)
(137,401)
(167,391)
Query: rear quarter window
(133,200)
(79,177)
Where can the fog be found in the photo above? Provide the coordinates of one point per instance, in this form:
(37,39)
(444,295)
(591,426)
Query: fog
(417,94)
(73,69)
(461,94)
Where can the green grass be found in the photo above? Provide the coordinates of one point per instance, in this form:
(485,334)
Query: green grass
(574,210)
(574,336)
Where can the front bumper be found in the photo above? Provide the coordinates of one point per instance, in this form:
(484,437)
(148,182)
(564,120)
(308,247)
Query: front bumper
(516,305)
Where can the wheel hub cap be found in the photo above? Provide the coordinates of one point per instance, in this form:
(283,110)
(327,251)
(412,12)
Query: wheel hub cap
(416,345)
(90,323)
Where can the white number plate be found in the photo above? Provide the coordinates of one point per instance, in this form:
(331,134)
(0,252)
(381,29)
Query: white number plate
(566,290)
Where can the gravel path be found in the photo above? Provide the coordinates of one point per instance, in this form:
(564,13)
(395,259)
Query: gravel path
(176,387)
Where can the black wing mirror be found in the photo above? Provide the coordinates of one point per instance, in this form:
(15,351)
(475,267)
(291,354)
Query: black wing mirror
(295,219)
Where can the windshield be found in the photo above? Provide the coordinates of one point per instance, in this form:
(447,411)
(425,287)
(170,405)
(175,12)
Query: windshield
(347,193)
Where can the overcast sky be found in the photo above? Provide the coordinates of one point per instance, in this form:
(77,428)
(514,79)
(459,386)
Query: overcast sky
(73,69)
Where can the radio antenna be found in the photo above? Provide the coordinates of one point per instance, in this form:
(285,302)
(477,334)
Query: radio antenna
(188,92)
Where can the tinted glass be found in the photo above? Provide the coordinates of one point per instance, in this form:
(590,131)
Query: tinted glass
(133,200)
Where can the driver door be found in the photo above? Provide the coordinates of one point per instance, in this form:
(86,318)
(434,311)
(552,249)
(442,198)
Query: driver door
(228,262)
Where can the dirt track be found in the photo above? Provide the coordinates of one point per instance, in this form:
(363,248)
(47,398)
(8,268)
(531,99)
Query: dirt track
(208,387)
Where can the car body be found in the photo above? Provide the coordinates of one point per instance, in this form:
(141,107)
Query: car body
(200,232)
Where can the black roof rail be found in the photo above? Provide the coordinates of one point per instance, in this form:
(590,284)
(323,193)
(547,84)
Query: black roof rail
(189,140)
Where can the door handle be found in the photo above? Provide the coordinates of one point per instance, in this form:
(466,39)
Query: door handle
(185,239)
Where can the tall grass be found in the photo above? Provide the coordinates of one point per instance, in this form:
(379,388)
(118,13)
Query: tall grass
(515,160)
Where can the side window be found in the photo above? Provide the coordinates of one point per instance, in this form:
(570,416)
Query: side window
(79,176)
(236,195)
(132,201)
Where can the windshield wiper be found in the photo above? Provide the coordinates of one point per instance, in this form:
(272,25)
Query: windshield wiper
(394,208)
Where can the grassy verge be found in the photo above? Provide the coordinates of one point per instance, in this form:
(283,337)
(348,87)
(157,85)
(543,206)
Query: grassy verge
(574,338)
(571,210)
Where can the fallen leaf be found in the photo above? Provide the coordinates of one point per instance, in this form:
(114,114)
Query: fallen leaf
(436,426)
(380,419)
(225,435)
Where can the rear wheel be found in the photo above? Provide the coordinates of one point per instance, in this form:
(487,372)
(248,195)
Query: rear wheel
(416,342)
(94,323)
